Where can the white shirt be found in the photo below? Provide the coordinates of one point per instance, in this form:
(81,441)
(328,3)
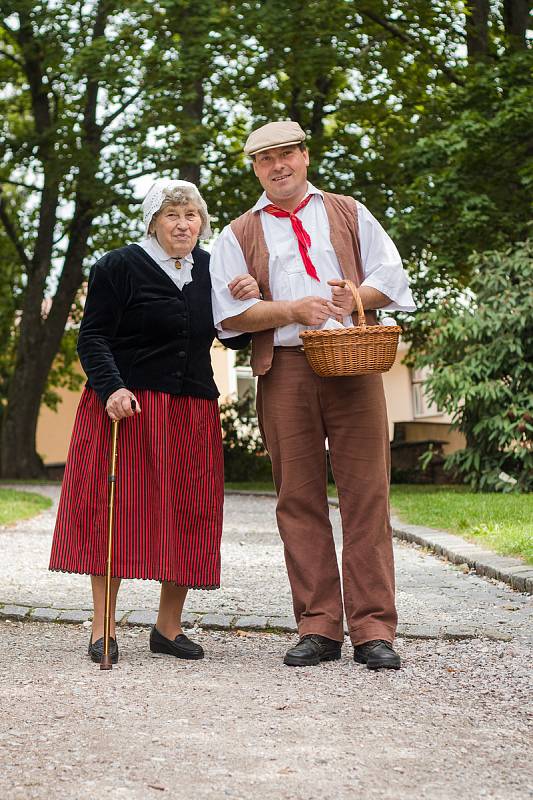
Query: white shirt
(382,264)
(168,263)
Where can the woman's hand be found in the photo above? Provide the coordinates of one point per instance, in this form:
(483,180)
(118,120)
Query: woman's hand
(342,297)
(119,404)
(244,287)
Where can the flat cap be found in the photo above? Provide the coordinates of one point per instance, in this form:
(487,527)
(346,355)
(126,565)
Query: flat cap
(273,134)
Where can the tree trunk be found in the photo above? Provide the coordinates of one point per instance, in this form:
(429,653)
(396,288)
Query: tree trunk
(19,458)
(515,20)
(38,345)
(193,25)
(35,355)
(477,29)
(193,133)
(39,339)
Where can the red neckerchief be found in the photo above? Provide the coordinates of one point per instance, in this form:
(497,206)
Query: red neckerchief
(304,240)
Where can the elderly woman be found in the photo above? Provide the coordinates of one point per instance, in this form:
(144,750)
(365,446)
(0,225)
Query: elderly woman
(145,337)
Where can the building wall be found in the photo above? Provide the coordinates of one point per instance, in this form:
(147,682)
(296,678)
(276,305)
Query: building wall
(54,428)
(223,361)
(397,386)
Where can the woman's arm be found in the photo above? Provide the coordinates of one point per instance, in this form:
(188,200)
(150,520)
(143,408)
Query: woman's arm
(236,342)
(100,323)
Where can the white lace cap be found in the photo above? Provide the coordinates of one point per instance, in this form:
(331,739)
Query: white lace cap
(163,188)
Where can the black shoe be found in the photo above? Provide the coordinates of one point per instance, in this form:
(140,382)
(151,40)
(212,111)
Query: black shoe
(377,654)
(96,649)
(181,646)
(311,650)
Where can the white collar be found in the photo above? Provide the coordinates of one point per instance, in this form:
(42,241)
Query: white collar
(264,200)
(161,255)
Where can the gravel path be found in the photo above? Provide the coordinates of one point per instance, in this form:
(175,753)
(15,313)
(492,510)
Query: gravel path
(431,593)
(451,724)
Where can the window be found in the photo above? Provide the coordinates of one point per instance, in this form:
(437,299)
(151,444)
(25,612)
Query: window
(245,382)
(421,406)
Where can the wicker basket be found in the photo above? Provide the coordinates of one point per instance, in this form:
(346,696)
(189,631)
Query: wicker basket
(352,351)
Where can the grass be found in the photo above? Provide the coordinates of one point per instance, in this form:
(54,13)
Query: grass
(15,505)
(252,486)
(500,522)
(267,486)
(30,481)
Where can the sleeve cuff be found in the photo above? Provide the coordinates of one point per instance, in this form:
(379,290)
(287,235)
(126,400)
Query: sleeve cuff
(401,299)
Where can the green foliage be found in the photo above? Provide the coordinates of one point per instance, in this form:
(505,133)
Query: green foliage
(480,352)
(346,73)
(242,357)
(245,458)
(466,179)
(97,98)
(64,373)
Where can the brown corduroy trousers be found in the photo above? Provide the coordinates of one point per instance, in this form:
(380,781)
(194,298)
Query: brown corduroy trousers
(297,411)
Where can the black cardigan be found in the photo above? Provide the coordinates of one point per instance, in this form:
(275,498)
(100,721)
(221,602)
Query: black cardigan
(141,332)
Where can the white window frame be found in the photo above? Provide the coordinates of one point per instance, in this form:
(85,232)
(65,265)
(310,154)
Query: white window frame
(244,373)
(421,406)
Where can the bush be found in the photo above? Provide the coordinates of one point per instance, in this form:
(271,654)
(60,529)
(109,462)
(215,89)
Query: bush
(245,457)
(481,359)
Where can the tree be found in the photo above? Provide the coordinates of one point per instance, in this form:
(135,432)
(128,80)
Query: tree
(96,95)
(466,182)
(481,359)
(89,104)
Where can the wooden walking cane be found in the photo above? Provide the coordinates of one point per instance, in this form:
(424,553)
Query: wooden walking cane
(106,658)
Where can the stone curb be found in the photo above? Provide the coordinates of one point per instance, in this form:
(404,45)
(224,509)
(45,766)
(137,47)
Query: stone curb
(512,571)
(238,622)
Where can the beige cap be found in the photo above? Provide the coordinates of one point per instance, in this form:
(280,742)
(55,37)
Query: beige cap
(273,134)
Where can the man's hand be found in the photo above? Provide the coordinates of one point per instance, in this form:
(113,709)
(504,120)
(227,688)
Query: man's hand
(314,311)
(342,297)
(118,404)
(244,287)
(371,298)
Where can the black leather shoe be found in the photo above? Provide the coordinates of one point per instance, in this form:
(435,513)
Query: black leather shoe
(181,646)
(377,654)
(96,649)
(311,650)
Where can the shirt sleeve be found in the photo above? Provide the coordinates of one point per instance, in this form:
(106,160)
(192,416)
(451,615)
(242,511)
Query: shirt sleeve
(382,263)
(227,261)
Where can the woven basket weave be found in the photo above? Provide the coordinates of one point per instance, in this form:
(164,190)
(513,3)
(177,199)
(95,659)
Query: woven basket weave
(352,351)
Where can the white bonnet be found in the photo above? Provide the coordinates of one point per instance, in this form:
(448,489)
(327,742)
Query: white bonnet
(163,188)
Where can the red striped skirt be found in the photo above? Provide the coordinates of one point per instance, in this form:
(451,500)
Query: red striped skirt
(169,492)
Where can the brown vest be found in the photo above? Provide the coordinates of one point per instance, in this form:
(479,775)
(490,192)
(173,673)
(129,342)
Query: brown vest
(344,236)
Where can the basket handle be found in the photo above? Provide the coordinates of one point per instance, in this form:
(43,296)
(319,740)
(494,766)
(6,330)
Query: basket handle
(361,320)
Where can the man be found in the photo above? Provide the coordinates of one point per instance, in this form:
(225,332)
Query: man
(300,244)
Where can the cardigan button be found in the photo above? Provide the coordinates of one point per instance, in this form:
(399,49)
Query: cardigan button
(182,354)
(178,374)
